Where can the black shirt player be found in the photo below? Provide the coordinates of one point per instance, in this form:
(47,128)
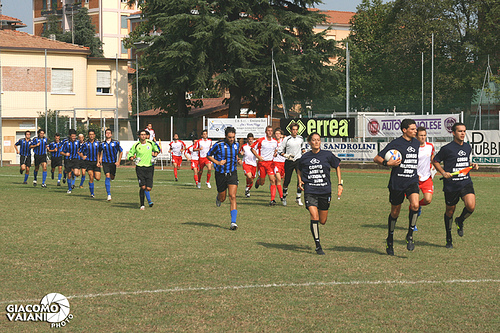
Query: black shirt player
(456,156)
(314,179)
(403,181)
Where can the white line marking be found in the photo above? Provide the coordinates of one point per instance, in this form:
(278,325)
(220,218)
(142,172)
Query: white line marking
(254,286)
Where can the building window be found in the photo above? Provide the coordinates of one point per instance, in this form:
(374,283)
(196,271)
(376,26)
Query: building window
(103,82)
(62,81)
(124,21)
(124,49)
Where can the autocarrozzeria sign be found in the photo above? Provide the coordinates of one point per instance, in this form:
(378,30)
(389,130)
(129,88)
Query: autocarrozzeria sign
(390,126)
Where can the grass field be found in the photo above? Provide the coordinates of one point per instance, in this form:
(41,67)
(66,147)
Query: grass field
(178,267)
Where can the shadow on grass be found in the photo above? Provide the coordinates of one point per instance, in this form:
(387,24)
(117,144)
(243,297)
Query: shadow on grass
(287,247)
(130,205)
(382,226)
(355,249)
(420,243)
(205,224)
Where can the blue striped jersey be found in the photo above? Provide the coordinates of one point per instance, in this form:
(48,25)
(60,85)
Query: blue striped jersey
(110,151)
(42,148)
(224,151)
(91,150)
(53,145)
(63,141)
(71,147)
(24,147)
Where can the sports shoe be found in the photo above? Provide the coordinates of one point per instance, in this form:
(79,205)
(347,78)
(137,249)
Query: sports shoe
(64,180)
(217,201)
(233,226)
(272,203)
(283,201)
(142,208)
(299,202)
(247,193)
(176,179)
(257,184)
(25,182)
(92,196)
(460,227)
(320,251)
(410,245)
(389,248)
(44,185)
(69,192)
(73,186)
(198,185)
(449,244)
(109,198)
(58,183)
(34,183)
(151,204)
(208,185)
(81,186)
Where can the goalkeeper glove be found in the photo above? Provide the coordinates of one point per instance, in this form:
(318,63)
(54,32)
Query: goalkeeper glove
(153,160)
(137,160)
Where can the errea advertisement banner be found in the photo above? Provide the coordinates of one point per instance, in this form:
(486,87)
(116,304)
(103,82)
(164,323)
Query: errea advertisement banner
(326,127)
(243,126)
(485,146)
(390,126)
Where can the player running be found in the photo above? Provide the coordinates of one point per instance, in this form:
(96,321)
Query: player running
(56,157)
(83,164)
(193,158)
(203,145)
(403,181)
(291,148)
(456,156)
(177,147)
(24,151)
(264,149)
(314,180)
(72,163)
(279,165)
(249,163)
(224,155)
(39,146)
(144,153)
(108,152)
(89,152)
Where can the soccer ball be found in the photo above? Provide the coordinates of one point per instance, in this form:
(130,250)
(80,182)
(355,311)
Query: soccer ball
(392,154)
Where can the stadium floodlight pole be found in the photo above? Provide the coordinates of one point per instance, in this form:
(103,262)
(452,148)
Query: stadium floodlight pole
(432,79)
(46,93)
(422,83)
(137,89)
(285,112)
(347,83)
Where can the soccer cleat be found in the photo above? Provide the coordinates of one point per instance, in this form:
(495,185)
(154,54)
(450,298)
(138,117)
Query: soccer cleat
(410,245)
(69,192)
(142,208)
(257,184)
(64,180)
(176,179)
(217,201)
(198,185)
(81,186)
(460,227)
(320,251)
(25,182)
(58,183)
(92,196)
(44,185)
(449,244)
(272,203)
(73,186)
(389,248)
(247,193)
(208,185)
(283,201)
(34,183)
(233,226)
(299,202)
(151,204)
(109,198)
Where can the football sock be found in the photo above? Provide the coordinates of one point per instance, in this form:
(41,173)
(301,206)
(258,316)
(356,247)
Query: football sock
(141,196)
(35,174)
(391,226)
(44,177)
(26,177)
(465,214)
(196,178)
(148,195)
(412,221)
(59,177)
(299,191)
(82,181)
(175,172)
(273,192)
(107,184)
(422,203)
(64,175)
(280,190)
(208,177)
(285,192)
(69,184)
(91,188)
(447,226)
(234,214)
(249,183)
(315,232)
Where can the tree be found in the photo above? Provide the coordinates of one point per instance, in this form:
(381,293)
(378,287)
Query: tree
(85,34)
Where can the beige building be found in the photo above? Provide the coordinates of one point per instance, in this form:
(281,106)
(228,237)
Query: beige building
(69,81)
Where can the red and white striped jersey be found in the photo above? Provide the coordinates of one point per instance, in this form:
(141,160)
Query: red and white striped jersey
(278,157)
(205,146)
(425,154)
(248,157)
(194,154)
(265,148)
(176,147)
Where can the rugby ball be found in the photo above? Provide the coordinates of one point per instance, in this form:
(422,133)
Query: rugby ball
(392,154)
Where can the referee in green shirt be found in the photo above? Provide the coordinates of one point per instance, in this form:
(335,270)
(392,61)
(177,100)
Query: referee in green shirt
(144,153)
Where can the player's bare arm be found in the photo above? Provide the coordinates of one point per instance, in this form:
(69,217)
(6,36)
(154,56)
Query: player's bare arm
(301,183)
(440,169)
(257,155)
(119,159)
(340,186)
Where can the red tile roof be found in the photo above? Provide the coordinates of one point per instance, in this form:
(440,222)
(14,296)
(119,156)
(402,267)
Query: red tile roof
(12,21)
(12,39)
(336,17)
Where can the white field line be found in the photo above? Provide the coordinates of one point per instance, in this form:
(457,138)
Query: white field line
(263,286)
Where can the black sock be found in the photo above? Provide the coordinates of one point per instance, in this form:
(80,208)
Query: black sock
(285,192)
(465,214)
(412,222)
(447,226)
(315,232)
(391,225)
(141,195)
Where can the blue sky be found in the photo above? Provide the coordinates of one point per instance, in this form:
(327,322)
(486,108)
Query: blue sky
(22,9)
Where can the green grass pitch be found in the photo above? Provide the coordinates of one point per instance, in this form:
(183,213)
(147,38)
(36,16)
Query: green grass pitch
(178,267)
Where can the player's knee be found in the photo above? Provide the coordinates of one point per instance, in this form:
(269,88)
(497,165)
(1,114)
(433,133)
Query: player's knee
(414,206)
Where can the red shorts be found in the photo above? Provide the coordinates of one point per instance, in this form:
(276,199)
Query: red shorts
(202,162)
(266,168)
(426,186)
(177,160)
(194,164)
(249,169)
(279,167)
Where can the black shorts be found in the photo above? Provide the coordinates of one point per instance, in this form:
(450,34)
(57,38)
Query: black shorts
(145,175)
(39,159)
(224,179)
(26,160)
(91,166)
(321,201)
(452,198)
(56,161)
(109,168)
(71,164)
(397,197)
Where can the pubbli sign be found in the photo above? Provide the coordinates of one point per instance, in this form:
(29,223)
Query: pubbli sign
(326,127)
